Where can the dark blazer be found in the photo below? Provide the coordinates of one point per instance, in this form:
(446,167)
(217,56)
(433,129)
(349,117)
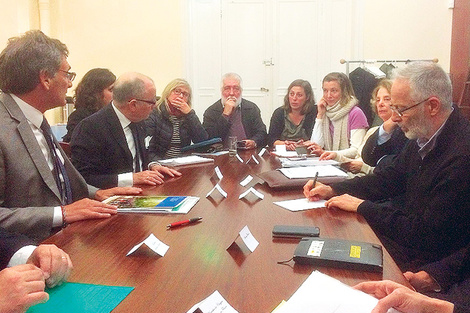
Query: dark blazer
(9,244)
(28,192)
(453,275)
(100,151)
(218,126)
(372,152)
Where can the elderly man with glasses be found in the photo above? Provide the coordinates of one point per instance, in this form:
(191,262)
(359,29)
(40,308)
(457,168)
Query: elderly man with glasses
(428,183)
(108,147)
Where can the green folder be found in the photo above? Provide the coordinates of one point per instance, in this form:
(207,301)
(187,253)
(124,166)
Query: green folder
(76,297)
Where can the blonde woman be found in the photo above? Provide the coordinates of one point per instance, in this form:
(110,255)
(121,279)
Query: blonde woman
(340,124)
(173,124)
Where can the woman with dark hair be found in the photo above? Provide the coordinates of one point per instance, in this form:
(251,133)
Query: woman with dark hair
(340,125)
(292,123)
(93,92)
(173,124)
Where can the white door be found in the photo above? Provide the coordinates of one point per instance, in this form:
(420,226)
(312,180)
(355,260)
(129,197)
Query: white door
(270,44)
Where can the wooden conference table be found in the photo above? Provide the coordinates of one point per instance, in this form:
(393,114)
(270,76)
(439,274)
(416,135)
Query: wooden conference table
(197,262)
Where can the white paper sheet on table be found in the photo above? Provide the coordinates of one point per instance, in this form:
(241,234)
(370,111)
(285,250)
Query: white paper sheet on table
(321,293)
(305,161)
(300,204)
(310,171)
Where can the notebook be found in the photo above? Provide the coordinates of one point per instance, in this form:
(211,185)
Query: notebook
(347,254)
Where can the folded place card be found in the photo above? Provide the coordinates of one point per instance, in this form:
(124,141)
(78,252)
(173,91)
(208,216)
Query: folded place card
(153,243)
(252,158)
(239,159)
(252,190)
(217,186)
(262,152)
(248,238)
(246,181)
(218,173)
(215,303)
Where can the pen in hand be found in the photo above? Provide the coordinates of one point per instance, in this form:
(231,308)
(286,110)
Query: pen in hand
(185,222)
(315,180)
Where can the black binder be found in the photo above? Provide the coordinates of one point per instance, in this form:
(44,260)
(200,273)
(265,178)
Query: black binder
(347,254)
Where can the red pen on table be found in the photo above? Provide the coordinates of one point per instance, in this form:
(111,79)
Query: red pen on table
(185,222)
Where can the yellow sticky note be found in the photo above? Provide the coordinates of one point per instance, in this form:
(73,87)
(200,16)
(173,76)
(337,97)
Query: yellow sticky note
(355,252)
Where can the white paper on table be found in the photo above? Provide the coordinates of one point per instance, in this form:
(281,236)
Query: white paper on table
(215,303)
(218,173)
(281,151)
(239,159)
(321,293)
(306,161)
(153,243)
(222,192)
(310,171)
(262,151)
(300,204)
(248,238)
(254,191)
(252,157)
(246,181)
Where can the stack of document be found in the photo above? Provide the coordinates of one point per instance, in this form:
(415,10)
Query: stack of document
(186,160)
(153,204)
(311,171)
(305,161)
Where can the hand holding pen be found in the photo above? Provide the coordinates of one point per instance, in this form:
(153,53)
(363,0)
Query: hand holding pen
(315,191)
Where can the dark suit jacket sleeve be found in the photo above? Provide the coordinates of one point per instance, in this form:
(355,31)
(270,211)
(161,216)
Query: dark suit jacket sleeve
(276,126)
(214,122)
(452,269)
(253,124)
(196,132)
(87,147)
(373,152)
(9,244)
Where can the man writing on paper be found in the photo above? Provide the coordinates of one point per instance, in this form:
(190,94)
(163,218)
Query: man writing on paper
(234,116)
(428,182)
(26,269)
(40,190)
(108,147)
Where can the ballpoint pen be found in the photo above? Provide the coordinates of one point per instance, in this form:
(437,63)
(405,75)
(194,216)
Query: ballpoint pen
(315,180)
(185,222)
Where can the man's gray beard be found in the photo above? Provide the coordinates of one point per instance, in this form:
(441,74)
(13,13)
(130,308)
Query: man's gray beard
(237,102)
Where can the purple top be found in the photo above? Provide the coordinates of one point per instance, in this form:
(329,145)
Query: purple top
(356,120)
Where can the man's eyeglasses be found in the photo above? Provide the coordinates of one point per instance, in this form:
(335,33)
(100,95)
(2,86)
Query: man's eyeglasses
(151,102)
(70,75)
(179,92)
(398,111)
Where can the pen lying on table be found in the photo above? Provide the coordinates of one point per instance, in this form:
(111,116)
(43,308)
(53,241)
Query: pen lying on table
(185,222)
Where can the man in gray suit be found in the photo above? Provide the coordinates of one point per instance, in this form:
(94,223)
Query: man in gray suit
(40,190)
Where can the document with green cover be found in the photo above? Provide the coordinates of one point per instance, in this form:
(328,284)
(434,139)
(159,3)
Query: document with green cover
(77,297)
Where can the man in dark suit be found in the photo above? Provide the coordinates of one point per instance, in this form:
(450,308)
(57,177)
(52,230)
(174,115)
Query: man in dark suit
(234,116)
(40,190)
(108,147)
(30,269)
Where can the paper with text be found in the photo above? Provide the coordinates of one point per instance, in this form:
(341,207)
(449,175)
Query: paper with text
(215,303)
(248,238)
(300,204)
(153,243)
